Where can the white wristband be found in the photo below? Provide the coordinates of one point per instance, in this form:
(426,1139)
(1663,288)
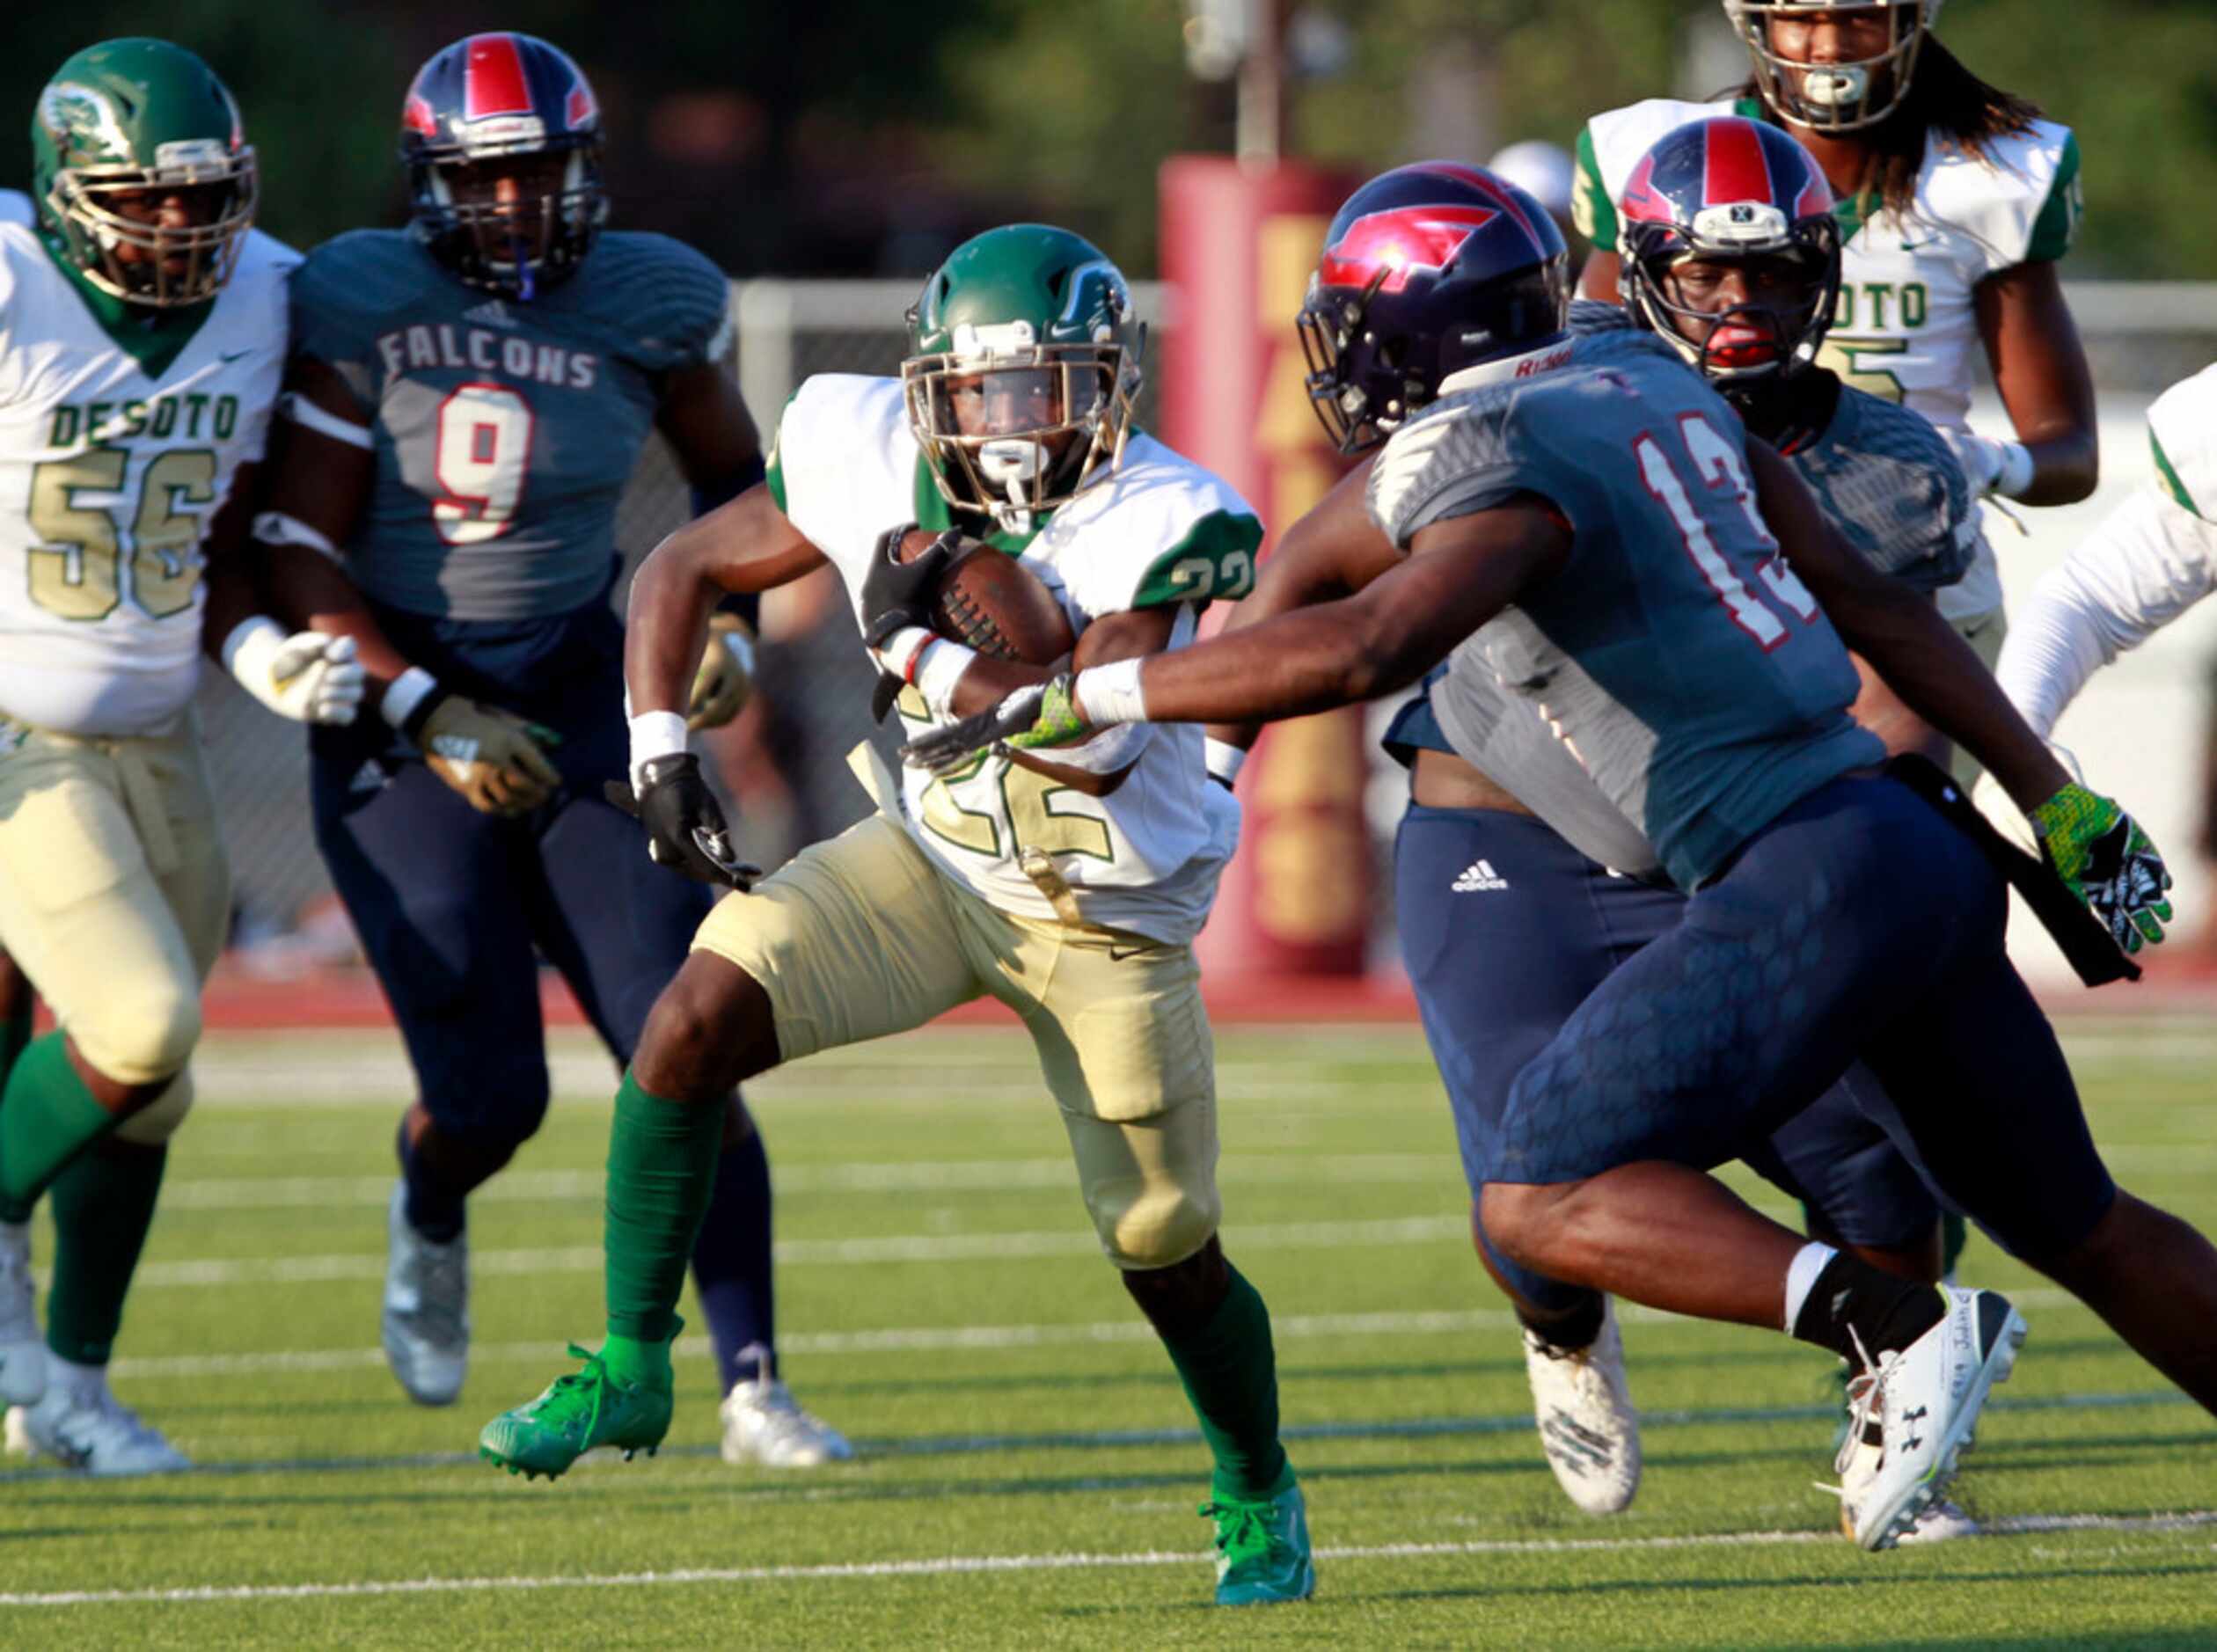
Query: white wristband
(245,633)
(654,735)
(1109,694)
(2017,470)
(938,670)
(1224,759)
(409,691)
(900,651)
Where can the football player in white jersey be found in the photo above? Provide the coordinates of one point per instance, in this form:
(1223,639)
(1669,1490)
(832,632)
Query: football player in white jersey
(1070,890)
(142,334)
(1955,200)
(2152,558)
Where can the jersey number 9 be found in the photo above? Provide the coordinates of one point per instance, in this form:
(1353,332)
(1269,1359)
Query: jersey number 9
(484,449)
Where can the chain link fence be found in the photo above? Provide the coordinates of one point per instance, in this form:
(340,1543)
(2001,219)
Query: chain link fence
(786,762)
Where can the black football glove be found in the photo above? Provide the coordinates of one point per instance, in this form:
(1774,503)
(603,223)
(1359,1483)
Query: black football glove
(685,827)
(897,595)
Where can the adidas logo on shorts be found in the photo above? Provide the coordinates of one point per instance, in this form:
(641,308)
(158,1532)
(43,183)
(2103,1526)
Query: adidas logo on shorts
(1478,875)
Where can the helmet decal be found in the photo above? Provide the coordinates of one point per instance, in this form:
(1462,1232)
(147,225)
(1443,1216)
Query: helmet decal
(1734,168)
(85,125)
(492,81)
(1392,243)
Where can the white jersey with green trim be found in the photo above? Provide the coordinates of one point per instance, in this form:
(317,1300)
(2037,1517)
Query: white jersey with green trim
(1906,327)
(1159,530)
(108,477)
(2152,558)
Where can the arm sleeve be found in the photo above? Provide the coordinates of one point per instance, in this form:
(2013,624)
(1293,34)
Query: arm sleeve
(1212,561)
(2146,565)
(2055,231)
(1591,211)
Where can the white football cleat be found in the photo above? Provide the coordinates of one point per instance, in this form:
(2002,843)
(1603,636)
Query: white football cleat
(22,1358)
(1586,1418)
(763,1423)
(1926,1399)
(426,1308)
(82,1425)
(1942,1522)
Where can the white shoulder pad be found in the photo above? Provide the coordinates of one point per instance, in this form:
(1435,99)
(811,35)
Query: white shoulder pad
(2182,429)
(1621,136)
(1160,529)
(836,441)
(2020,201)
(16,208)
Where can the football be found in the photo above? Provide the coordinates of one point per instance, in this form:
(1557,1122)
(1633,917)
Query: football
(991,602)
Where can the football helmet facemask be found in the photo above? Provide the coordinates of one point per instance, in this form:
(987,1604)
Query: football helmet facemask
(1024,363)
(1729,191)
(1435,278)
(126,129)
(502,137)
(1839,97)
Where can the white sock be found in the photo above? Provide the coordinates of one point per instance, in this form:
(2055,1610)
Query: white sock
(1801,1278)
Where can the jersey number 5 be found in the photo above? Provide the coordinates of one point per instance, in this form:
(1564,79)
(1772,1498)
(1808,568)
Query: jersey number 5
(484,449)
(1722,469)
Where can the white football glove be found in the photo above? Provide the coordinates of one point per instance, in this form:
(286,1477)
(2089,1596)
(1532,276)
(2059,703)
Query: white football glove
(1991,466)
(308,677)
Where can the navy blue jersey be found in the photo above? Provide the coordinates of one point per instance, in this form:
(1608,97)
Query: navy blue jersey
(504,432)
(1677,656)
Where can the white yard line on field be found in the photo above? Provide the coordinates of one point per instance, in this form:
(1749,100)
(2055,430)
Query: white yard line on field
(972,1564)
(523,1187)
(922,1339)
(891,1248)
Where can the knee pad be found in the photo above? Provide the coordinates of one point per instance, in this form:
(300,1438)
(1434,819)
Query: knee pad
(144,1032)
(157,1121)
(1154,1223)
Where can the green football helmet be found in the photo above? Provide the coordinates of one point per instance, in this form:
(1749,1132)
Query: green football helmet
(1024,359)
(142,115)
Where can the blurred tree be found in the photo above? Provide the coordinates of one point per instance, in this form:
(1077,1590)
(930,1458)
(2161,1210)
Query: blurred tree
(869,135)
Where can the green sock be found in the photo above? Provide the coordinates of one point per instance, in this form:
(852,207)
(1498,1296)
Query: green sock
(102,1202)
(662,1168)
(1230,1373)
(47,1117)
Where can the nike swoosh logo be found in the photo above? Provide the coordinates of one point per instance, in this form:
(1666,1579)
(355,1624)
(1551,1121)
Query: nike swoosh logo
(1118,954)
(229,356)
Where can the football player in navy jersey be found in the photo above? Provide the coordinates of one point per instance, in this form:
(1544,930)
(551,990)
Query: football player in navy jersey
(467,399)
(1587,524)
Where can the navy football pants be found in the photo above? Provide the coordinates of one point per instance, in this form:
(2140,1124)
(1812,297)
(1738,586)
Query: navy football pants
(1858,924)
(454,907)
(1507,929)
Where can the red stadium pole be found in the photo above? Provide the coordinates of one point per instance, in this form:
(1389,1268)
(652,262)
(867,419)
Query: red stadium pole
(1238,241)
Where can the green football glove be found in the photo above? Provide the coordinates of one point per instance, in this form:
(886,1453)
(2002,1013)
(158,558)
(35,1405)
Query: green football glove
(1044,715)
(2105,859)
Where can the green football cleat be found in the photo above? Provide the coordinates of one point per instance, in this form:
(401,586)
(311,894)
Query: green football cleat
(1262,1549)
(580,1411)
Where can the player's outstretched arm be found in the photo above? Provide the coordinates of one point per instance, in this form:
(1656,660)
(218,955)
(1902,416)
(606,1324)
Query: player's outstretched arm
(1333,552)
(1460,573)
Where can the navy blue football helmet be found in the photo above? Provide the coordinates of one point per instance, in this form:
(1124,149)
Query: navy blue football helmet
(1727,190)
(504,113)
(1427,271)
